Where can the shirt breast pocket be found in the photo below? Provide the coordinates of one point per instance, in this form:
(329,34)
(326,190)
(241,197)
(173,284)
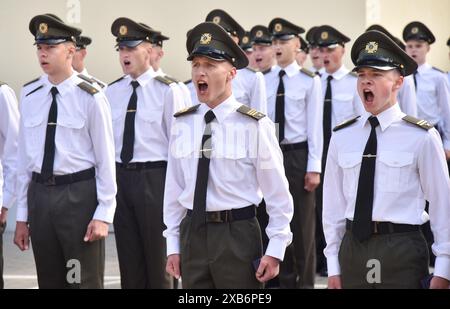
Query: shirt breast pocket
(297,97)
(350,163)
(188,159)
(149,119)
(231,162)
(70,133)
(343,107)
(34,129)
(395,170)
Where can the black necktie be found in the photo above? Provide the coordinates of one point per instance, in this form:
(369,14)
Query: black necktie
(362,221)
(201,184)
(327,117)
(279,107)
(128,134)
(415,79)
(49,151)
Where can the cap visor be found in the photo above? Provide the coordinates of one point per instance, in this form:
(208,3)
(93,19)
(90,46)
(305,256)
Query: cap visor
(129,43)
(376,67)
(192,56)
(284,37)
(51,41)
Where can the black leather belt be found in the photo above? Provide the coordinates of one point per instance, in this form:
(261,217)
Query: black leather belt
(229,215)
(142,165)
(64,179)
(296,146)
(387,227)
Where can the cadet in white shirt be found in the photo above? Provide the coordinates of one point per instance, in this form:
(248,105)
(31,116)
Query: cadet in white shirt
(246,44)
(9,127)
(381,167)
(340,102)
(302,52)
(262,49)
(214,181)
(65,172)
(314,53)
(407,93)
(143,105)
(78,62)
(294,103)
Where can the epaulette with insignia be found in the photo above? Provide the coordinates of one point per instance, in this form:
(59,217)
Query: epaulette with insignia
(101,84)
(33,81)
(172,79)
(418,122)
(252,69)
(353,74)
(88,88)
(164,79)
(85,78)
(33,91)
(307,72)
(345,124)
(244,109)
(117,80)
(267,71)
(187,111)
(439,70)
(188,82)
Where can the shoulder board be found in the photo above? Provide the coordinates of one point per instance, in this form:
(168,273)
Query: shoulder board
(439,70)
(188,82)
(2,83)
(267,71)
(85,78)
(418,122)
(187,111)
(33,81)
(88,88)
(252,69)
(101,84)
(172,79)
(244,109)
(307,72)
(117,80)
(164,80)
(345,124)
(353,74)
(33,91)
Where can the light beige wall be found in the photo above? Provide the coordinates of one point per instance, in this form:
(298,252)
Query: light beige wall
(174,17)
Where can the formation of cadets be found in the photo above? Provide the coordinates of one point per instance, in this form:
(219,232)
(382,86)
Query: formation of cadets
(242,177)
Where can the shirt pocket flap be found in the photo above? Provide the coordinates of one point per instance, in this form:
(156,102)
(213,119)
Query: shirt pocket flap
(396,159)
(70,122)
(296,95)
(350,159)
(149,115)
(343,97)
(183,150)
(230,151)
(34,121)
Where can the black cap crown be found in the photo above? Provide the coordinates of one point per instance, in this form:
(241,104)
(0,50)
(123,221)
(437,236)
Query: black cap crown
(384,30)
(158,38)
(327,36)
(227,22)
(130,33)
(376,50)
(50,29)
(246,42)
(261,35)
(310,36)
(83,41)
(211,40)
(418,31)
(281,29)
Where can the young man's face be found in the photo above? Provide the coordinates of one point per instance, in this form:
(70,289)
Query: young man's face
(316,57)
(212,79)
(378,89)
(332,58)
(286,50)
(135,61)
(78,59)
(264,56)
(301,57)
(156,56)
(418,50)
(55,58)
(251,59)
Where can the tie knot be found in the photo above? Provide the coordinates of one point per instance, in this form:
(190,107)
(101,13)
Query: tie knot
(135,84)
(209,116)
(54,91)
(281,73)
(415,72)
(374,122)
(329,78)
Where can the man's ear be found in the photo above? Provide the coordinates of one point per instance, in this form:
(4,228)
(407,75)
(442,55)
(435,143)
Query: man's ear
(398,82)
(231,74)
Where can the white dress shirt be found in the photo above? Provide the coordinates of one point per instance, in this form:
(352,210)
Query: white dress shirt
(184,89)
(407,96)
(84,139)
(246,164)
(345,100)
(156,104)
(98,83)
(249,88)
(410,168)
(303,110)
(433,99)
(9,128)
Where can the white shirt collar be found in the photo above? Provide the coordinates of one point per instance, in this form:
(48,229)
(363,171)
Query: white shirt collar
(424,67)
(145,78)
(291,69)
(63,87)
(340,73)
(386,118)
(222,110)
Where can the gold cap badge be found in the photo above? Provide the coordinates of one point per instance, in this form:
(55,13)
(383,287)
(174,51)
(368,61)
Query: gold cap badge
(245,40)
(324,35)
(415,30)
(278,27)
(216,19)
(259,33)
(43,28)
(123,30)
(372,47)
(206,38)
